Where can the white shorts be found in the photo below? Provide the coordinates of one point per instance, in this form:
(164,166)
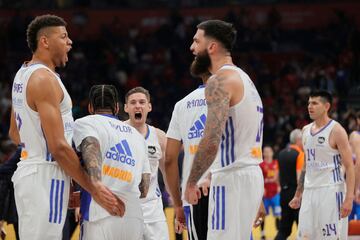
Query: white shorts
(156,231)
(113,228)
(234,200)
(41,195)
(319,216)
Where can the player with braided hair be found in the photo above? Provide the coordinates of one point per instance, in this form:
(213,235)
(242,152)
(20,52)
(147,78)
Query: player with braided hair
(115,154)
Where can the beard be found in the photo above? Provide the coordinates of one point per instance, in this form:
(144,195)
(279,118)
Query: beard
(201,64)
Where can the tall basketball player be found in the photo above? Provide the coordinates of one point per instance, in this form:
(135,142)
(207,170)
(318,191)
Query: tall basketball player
(42,123)
(232,137)
(321,192)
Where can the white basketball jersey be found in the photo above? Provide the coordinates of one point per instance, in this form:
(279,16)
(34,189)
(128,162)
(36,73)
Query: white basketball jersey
(34,145)
(323,163)
(124,154)
(241,141)
(152,204)
(187,125)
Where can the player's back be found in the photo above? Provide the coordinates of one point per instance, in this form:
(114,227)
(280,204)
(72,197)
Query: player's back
(323,163)
(241,141)
(33,141)
(188,125)
(124,155)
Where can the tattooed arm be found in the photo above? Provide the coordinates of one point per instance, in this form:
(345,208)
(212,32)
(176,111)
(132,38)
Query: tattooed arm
(91,154)
(144,184)
(218,103)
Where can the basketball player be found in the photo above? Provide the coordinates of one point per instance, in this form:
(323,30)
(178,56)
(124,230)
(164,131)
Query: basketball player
(138,105)
(355,146)
(42,123)
(115,154)
(325,204)
(232,136)
(186,128)
(270,169)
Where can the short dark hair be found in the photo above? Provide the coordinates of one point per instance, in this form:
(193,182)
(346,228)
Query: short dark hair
(223,32)
(137,90)
(39,23)
(104,97)
(325,95)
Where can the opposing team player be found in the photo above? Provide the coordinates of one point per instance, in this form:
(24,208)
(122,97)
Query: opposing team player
(232,136)
(325,202)
(115,154)
(137,106)
(42,123)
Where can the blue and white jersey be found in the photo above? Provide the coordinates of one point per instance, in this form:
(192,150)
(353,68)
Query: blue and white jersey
(187,125)
(34,145)
(241,141)
(323,163)
(152,205)
(124,154)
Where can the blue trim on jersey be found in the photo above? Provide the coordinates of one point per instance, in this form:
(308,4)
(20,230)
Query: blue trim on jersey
(187,213)
(228,144)
(56,200)
(222,151)
(337,168)
(85,200)
(108,115)
(202,86)
(322,129)
(217,207)
(51,199)
(232,140)
(213,213)
(48,154)
(61,199)
(218,213)
(148,132)
(223,207)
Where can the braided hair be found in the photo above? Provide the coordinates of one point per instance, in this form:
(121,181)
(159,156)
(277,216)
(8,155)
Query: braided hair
(104,97)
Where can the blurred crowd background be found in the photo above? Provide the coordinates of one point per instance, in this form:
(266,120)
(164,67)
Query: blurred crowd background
(287,47)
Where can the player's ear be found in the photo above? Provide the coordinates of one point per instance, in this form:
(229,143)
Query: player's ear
(150,107)
(90,109)
(117,108)
(126,108)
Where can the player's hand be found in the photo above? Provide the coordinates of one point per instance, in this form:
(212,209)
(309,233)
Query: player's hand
(260,217)
(295,203)
(106,199)
(77,214)
(346,207)
(180,222)
(205,185)
(192,194)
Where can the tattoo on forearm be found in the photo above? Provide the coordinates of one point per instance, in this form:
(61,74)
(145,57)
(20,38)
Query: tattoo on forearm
(300,186)
(218,102)
(144,185)
(91,154)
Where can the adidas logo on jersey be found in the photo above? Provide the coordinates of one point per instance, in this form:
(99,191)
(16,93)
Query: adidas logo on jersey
(197,130)
(121,152)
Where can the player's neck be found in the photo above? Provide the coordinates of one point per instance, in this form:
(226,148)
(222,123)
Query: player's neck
(219,61)
(141,127)
(322,121)
(38,58)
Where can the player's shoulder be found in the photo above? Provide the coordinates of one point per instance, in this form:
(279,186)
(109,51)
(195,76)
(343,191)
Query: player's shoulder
(195,94)
(306,127)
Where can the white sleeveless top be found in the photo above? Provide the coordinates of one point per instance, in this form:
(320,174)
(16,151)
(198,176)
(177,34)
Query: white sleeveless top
(323,163)
(152,205)
(34,145)
(124,154)
(187,125)
(241,142)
